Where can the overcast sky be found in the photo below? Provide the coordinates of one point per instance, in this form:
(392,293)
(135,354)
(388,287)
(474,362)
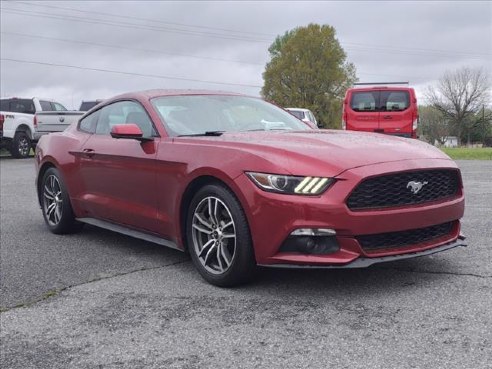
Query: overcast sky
(192,44)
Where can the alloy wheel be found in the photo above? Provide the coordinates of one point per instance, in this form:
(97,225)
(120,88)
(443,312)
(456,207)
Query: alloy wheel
(53,201)
(214,235)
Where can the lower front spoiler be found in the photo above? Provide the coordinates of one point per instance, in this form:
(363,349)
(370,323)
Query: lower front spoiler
(363,262)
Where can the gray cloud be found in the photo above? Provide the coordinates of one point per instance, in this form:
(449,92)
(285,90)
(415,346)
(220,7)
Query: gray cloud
(415,41)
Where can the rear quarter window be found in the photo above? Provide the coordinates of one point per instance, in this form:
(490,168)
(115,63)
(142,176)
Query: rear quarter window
(88,124)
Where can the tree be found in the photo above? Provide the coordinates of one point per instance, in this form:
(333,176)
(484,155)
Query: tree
(459,96)
(308,69)
(433,125)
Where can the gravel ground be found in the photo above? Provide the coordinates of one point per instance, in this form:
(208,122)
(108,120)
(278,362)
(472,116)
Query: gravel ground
(103,300)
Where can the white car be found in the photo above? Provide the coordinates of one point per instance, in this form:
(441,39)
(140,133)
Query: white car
(305,115)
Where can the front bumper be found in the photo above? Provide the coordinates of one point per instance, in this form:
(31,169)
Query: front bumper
(364,262)
(272,217)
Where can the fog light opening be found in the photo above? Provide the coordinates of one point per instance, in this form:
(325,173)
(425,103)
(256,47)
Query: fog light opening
(315,241)
(313,232)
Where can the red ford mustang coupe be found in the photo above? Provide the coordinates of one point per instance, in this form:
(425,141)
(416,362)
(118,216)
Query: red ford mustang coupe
(239,182)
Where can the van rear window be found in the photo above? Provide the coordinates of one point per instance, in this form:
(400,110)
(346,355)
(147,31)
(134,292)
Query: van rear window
(365,101)
(375,101)
(394,100)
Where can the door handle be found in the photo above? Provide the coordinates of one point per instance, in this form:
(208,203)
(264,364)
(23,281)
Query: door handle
(387,117)
(89,153)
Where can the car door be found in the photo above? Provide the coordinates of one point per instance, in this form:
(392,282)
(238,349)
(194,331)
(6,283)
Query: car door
(119,177)
(396,115)
(363,112)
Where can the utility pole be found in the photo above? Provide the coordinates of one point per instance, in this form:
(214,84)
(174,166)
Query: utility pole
(484,126)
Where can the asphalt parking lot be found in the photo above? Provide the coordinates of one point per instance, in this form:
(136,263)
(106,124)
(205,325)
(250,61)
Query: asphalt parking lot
(103,300)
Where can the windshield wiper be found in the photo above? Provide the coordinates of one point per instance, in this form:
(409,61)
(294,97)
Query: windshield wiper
(266,129)
(206,133)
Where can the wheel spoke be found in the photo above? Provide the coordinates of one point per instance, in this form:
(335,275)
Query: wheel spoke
(50,212)
(223,253)
(48,195)
(204,248)
(203,221)
(49,190)
(225,225)
(212,210)
(201,229)
(215,212)
(227,235)
(218,258)
(57,214)
(209,253)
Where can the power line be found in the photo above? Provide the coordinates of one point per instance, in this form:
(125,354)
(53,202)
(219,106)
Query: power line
(364,47)
(185,55)
(73,18)
(126,73)
(125,47)
(145,19)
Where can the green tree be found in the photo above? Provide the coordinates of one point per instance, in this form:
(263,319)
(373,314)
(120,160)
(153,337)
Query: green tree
(308,69)
(433,125)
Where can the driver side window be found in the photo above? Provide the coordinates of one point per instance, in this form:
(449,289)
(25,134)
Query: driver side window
(124,112)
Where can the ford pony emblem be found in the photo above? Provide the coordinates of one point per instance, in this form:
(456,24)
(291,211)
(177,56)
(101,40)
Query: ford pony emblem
(415,187)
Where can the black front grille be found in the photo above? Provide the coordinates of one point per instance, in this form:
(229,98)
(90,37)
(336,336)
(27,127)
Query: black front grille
(404,238)
(396,189)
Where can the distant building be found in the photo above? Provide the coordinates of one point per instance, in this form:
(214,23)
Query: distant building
(449,141)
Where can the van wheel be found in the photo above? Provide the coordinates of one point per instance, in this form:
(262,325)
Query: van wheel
(218,237)
(21,145)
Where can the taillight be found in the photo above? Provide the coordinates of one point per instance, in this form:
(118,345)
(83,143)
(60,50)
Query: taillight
(415,123)
(344,124)
(35,122)
(2,119)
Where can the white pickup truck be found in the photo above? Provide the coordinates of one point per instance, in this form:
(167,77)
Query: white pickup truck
(24,121)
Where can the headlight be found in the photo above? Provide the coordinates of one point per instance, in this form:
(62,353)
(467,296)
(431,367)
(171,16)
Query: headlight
(293,185)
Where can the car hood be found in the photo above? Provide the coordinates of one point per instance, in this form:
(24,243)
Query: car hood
(334,151)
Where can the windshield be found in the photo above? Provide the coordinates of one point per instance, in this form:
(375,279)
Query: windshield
(197,114)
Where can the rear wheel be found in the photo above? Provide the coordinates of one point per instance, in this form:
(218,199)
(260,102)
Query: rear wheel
(21,145)
(218,237)
(55,203)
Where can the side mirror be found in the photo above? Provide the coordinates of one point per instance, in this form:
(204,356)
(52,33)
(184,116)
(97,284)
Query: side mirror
(129,131)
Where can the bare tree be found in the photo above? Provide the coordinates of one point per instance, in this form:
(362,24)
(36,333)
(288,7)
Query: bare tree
(459,96)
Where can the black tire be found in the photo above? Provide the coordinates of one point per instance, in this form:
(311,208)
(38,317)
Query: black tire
(55,204)
(231,260)
(21,145)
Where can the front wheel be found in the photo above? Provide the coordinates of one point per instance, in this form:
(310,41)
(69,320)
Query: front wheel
(218,236)
(21,145)
(55,203)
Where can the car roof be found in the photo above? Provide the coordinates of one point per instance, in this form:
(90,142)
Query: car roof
(26,98)
(382,88)
(150,94)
